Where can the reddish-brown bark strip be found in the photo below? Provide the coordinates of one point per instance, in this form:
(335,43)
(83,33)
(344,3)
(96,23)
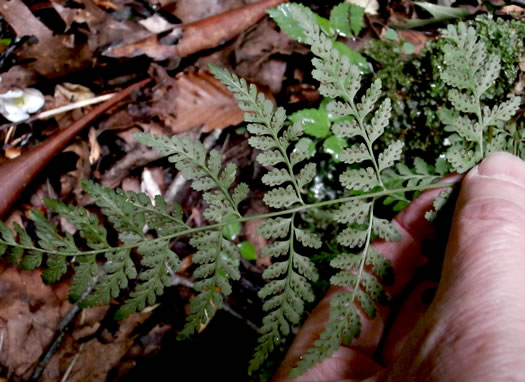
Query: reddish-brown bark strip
(199,35)
(213,31)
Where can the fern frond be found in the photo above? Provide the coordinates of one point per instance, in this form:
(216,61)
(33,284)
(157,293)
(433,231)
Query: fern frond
(280,147)
(470,71)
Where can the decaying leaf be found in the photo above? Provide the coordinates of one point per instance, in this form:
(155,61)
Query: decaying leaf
(204,101)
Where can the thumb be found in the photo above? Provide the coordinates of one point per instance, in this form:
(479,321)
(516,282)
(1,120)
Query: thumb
(475,327)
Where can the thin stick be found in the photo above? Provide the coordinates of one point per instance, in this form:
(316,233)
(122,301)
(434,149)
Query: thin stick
(62,109)
(72,364)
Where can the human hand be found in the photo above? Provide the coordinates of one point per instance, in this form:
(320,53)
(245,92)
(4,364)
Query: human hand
(475,327)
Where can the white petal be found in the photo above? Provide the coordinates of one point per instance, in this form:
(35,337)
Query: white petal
(14,113)
(12,94)
(33,100)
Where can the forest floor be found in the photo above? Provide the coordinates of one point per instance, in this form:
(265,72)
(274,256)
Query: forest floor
(74,50)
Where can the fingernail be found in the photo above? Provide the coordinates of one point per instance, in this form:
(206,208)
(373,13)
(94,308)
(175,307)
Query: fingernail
(503,166)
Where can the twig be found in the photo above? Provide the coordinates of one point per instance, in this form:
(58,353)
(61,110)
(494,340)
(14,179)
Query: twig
(59,336)
(72,364)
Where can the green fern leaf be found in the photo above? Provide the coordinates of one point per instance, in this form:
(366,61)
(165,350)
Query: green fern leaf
(502,112)
(368,103)
(361,179)
(270,158)
(159,262)
(308,239)
(277,248)
(346,261)
(275,228)
(351,237)
(373,288)
(355,154)
(275,270)
(306,174)
(276,177)
(347,129)
(114,276)
(353,212)
(463,102)
(386,230)
(488,74)
(344,279)
(85,277)
(381,266)
(380,118)
(391,155)
(281,197)
(438,204)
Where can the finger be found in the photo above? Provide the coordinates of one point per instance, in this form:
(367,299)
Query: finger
(410,312)
(475,327)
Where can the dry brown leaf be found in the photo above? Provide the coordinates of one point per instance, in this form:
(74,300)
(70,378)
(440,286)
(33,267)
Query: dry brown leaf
(29,314)
(50,56)
(94,148)
(512,10)
(187,39)
(103,28)
(192,10)
(418,39)
(89,364)
(204,101)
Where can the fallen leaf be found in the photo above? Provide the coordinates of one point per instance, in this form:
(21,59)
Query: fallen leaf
(187,39)
(48,57)
(29,314)
(67,93)
(94,147)
(418,39)
(204,101)
(512,10)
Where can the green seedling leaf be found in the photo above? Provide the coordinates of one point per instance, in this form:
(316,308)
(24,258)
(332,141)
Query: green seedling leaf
(5,41)
(442,13)
(408,48)
(439,13)
(347,19)
(315,121)
(291,26)
(391,34)
(334,146)
(247,250)
(231,231)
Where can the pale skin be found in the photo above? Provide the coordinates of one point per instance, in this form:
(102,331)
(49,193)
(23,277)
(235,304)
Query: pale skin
(474,329)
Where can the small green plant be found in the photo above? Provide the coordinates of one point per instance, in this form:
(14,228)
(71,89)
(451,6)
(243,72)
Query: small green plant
(370,176)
